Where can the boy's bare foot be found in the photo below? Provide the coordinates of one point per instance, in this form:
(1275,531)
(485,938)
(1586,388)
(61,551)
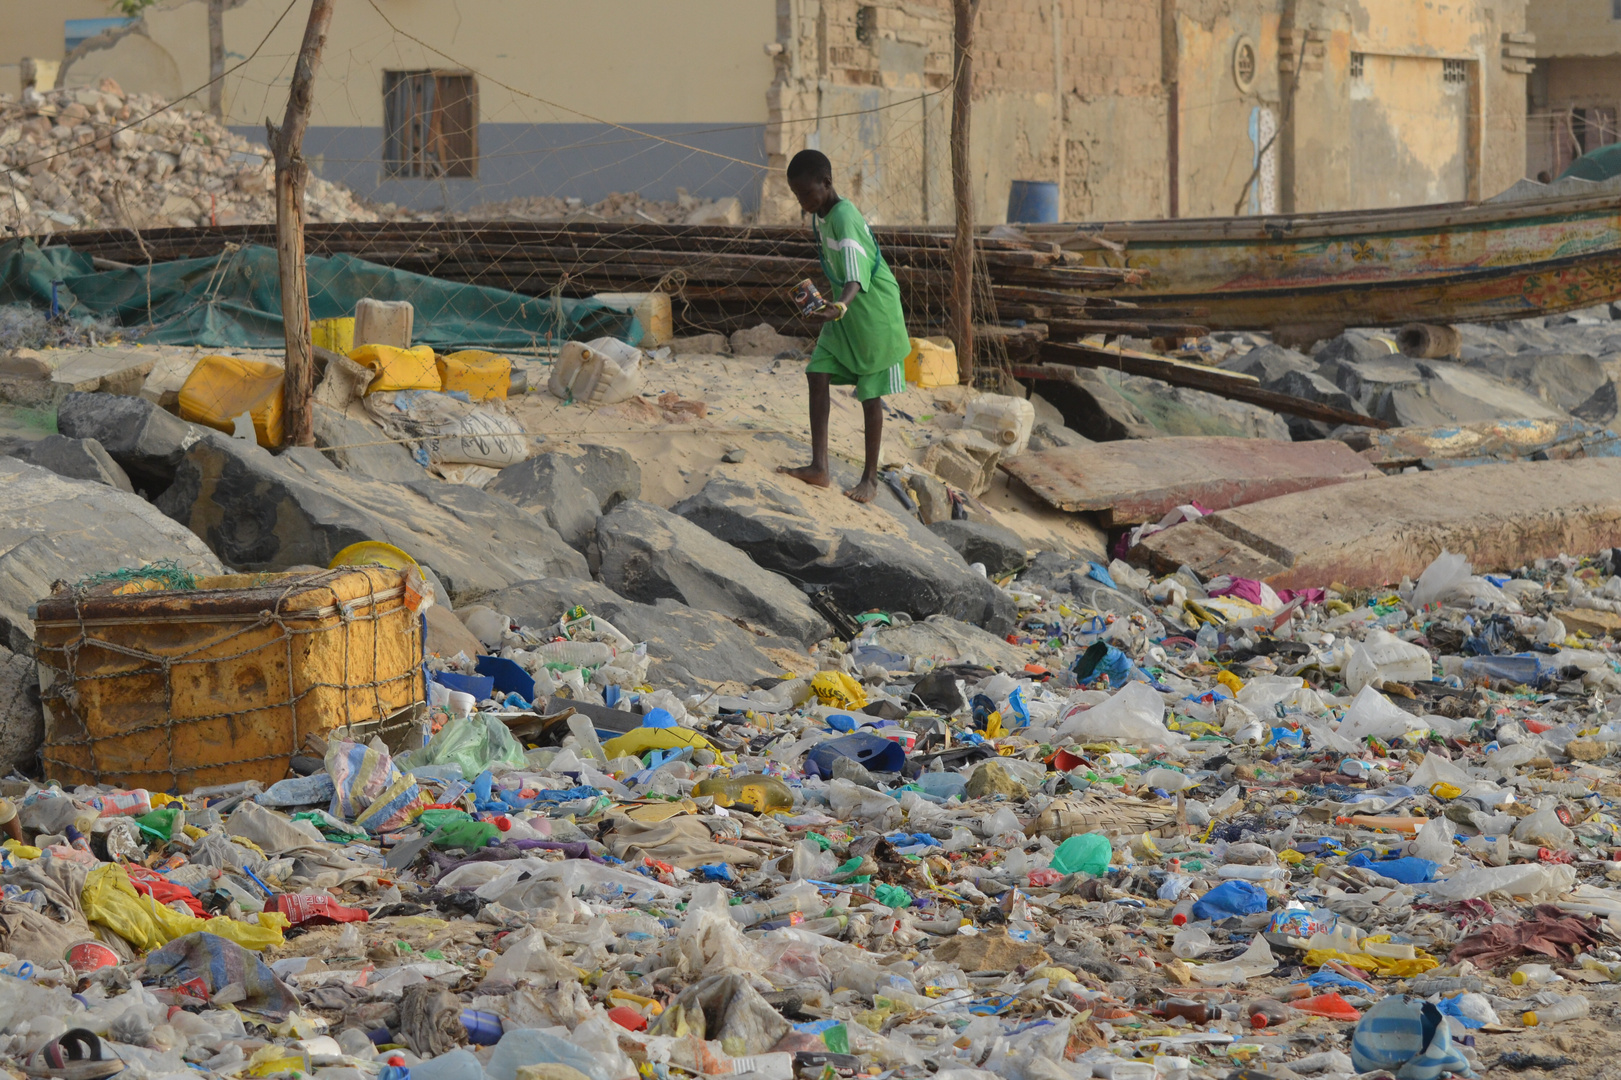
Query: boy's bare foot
(864,492)
(810,474)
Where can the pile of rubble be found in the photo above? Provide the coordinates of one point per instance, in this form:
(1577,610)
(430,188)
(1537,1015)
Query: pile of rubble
(81,158)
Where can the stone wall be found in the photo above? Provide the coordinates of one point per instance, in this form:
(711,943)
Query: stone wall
(1101,84)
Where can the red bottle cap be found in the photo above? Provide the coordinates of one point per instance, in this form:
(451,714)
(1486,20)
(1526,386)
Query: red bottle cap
(503,823)
(1179,919)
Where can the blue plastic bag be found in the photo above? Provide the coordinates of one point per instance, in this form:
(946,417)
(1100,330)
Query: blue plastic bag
(1409,870)
(1228,899)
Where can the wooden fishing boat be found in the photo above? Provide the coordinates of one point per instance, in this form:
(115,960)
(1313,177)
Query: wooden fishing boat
(1310,276)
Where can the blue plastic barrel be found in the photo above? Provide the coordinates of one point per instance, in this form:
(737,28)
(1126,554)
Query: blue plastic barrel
(1032,202)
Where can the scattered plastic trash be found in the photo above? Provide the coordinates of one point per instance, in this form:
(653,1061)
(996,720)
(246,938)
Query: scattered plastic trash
(1188,842)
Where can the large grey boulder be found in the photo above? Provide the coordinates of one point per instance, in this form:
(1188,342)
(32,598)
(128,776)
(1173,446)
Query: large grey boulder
(22,721)
(146,441)
(1367,378)
(609,472)
(1268,362)
(1096,410)
(356,444)
(649,554)
(550,486)
(56,529)
(1563,379)
(869,557)
(1001,550)
(1355,345)
(260,512)
(76,459)
(691,649)
(1310,386)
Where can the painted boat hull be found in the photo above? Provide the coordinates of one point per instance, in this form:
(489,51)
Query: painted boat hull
(1325,272)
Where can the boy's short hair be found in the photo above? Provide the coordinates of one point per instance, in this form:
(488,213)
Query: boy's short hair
(809,164)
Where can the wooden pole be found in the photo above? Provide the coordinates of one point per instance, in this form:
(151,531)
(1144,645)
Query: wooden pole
(216,58)
(286,145)
(961,303)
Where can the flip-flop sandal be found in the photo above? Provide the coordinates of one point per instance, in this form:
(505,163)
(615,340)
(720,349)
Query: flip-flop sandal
(73,1055)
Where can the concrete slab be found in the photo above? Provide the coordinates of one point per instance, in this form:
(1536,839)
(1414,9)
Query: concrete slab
(1142,479)
(41,378)
(1371,532)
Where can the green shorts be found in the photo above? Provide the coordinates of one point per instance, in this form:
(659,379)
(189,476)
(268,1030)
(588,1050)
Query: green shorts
(889,380)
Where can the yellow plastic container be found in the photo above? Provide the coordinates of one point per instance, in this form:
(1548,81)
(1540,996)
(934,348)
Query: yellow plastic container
(222,388)
(485,376)
(224,682)
(398,369)
(652,310)
(337,335)
(932,362)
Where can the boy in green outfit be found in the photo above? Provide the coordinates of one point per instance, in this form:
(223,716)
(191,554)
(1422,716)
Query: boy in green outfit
(863,341)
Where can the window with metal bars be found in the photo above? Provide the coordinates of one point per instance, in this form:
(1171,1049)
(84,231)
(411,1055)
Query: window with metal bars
(1359,62)
(430,123)
(1455,71)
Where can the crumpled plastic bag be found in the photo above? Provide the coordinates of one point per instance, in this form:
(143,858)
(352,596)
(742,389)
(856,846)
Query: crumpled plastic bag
(530,1046)
(1135,715)
(1544,829)
(724,1009)
(1539,881)
(1446,574)
(110,900)
(220,962)
(359,774)
(1409,1037)
(1372,714)
(270,830)
(710,939)
(475,743)
(400,802)
(852,802)
(837,689)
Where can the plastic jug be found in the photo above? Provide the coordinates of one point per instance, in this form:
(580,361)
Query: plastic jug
(222,388)
(602,372)
(932,362)
(481,375)
(398,369)
(384,322)
(763,793)
(1005,421)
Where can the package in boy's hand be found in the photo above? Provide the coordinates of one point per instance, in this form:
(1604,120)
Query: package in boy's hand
(808,297)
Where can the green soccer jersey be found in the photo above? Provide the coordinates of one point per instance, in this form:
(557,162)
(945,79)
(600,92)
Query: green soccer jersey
(872,335)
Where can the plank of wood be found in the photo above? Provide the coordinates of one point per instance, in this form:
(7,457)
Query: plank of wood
(1373,532)
(1138,480)
(1227,384)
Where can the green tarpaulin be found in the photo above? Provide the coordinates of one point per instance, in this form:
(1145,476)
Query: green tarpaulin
(233,300)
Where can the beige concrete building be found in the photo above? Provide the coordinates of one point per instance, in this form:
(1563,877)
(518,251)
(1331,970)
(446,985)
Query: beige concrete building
(1575,90)
(1133,108)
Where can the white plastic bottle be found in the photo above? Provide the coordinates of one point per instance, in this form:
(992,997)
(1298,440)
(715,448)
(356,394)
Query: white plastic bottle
(1570,1007)
(1534,975)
